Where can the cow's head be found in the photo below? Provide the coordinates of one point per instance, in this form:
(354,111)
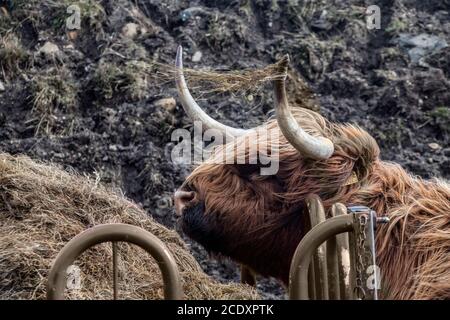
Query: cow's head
(256,219)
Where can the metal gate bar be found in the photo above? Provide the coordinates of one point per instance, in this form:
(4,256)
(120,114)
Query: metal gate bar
(336,259)
(298,277)
(115,269)
(114,233)
(318,269)
(333,269)
(343,256)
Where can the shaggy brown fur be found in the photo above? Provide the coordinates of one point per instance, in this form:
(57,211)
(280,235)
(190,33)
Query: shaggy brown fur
(258,220)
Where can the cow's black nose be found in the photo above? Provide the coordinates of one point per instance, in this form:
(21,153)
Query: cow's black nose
(182,199)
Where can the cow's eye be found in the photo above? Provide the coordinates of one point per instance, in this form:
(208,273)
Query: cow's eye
(187,187)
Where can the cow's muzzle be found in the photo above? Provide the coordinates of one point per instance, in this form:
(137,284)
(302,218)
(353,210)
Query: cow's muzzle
(183,199)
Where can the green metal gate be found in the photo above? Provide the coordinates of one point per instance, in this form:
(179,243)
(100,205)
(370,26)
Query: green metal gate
(334,260)
(115,232)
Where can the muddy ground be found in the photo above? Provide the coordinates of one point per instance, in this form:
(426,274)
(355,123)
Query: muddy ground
(89,99)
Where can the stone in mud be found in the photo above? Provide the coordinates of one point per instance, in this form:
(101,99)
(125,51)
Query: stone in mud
(434,146)
(197,56)
(167,103)
(419,46)
(130,30)
(49,49)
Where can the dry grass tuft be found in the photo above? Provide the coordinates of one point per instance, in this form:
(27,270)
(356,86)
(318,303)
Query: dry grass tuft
(42,207)
(129,79)
(213,82)
(241,82)
(50,93)
(12,55)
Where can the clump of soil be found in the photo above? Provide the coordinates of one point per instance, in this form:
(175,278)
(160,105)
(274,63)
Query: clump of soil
(393,81)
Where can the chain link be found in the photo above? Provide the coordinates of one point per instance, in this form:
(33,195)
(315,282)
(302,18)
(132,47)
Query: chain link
(361,239)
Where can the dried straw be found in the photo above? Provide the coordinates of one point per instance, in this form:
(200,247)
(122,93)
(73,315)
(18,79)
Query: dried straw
(42,207)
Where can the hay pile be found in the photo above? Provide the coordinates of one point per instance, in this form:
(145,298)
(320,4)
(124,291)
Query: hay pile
(42,207)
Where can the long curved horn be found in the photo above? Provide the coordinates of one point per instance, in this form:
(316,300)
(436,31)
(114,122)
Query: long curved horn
(192,108)
(318,148)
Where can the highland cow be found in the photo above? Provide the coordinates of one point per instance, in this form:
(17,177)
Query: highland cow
(258,220)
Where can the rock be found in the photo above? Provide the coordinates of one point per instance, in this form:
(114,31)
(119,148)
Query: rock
(389,75)
(434,146)
(419,46)
(49,49)
(197,56)
(425,41)
(188,13)
(2,87)
(321,23)
(113,147)
(130,30)
(144,30)
(167,103)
